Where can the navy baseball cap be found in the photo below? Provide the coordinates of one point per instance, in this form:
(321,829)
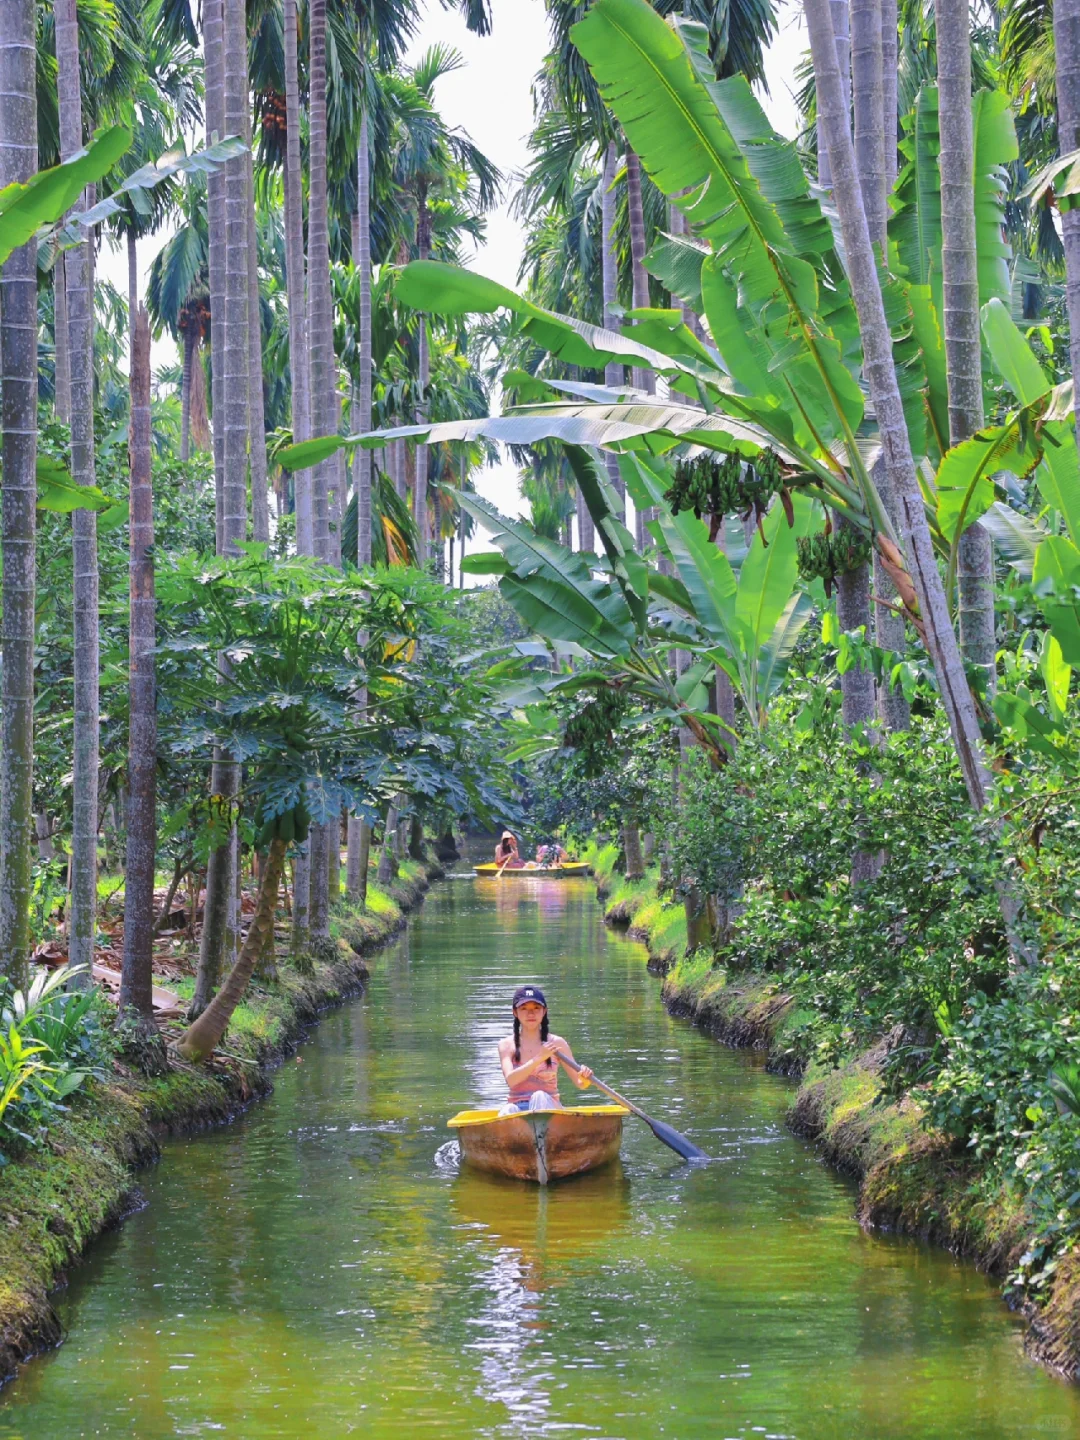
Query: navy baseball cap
(529,992)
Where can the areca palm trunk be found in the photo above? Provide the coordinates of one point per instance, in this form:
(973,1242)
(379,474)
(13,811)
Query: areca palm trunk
(320,318)
(358,830)
(205,1034)
(214,69)
(1067,61)
(963,348)
(299,358)
(613,372)
(260,502)
(61,350)
(18,396)
(363,261)
(137,980)
(885,393)
(644,379)
(84,528)
(420,478)
(842,43)
(235,357)
(889,65)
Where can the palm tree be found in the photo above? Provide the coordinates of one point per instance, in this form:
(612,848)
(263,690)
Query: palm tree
(960,314)
(1067,63)
(299,365)
(84,527)
(137,980)
(18,385)
(178,296)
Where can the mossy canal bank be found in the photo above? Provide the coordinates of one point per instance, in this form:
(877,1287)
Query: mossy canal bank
(56,1199)
(912,1179)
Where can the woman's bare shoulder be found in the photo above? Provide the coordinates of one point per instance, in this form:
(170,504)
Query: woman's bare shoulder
(506,1045)
(559,1040)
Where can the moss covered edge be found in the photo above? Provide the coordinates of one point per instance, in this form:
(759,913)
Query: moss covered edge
(55,1200)
(911,1180)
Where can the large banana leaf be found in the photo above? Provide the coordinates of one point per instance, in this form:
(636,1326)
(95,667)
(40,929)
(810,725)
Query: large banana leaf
(768,575)
(573,423)
(777,652)
(915,226)
(552,589)
(447,290)
(1058,475)
(1057,578)
(627,565)
(647,75)
(965,478)
(1015,536)
(676,262)
(24,209)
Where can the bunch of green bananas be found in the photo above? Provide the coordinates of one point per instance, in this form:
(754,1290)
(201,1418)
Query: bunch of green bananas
(590,729)
(827,555)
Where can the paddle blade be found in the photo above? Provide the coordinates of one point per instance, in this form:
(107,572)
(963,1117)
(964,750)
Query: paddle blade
(679,1143)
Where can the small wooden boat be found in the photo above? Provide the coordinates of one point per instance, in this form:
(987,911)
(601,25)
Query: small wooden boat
(535,872)
(540,1145)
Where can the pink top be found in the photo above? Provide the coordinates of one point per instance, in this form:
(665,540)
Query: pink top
(545,1077)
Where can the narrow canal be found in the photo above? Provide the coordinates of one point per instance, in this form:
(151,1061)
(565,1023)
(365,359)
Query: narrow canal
(322,1268)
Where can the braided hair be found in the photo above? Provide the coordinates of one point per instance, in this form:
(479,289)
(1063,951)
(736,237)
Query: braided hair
(517,1037)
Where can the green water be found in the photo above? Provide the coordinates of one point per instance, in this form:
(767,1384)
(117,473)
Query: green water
(322,1268)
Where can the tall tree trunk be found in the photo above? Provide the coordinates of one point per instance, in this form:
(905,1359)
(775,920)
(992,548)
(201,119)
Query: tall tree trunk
(868,92)
(137,978)
(842,42)
(214,68)
(205,1034)
(1067,52)
(635,863)
(885,394)
(363,261)
(299,357)
(323,398)
(960,318)
(260,500)
(420,481)
(614,373)
(644,379)
(61,343)
(320,318)
(235,377)
(18,422)
(84,527)
(388,858)
(853,589)
(132,246)
(889,66)
(185,394)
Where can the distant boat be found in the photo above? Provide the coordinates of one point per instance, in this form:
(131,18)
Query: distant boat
(535,872)
(540,1145)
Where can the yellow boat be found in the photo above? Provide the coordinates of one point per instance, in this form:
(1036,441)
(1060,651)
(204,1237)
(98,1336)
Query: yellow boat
(540,1145)
(534,872)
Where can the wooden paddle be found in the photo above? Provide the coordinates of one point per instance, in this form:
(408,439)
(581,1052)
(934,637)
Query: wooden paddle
(664,1133)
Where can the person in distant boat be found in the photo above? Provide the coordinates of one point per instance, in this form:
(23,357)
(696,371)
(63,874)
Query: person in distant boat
(506,852)
(529,1060)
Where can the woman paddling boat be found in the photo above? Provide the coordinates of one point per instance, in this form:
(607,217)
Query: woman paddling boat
(531,1058)
(533,1136)
(506,852)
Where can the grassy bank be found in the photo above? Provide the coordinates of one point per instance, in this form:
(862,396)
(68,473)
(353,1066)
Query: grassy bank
(912,1178)
(56,1198)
